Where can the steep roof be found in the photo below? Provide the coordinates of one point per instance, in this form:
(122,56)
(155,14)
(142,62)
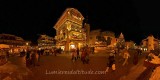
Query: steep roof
(67,13)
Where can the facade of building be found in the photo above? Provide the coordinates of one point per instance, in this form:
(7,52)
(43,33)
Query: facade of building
(15,44)
(130,45)
(150,43)
(93,41)
(45,42)
(110,38)
(69,30)
(11,40)
(102,39)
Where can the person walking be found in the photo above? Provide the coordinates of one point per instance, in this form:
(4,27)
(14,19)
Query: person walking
(28,59)
(33,58)
(83,55)
(39,54)
(125,57)
(87,55)
(135,57)
(74,55)
(78,56)
(37,58)
(111,62)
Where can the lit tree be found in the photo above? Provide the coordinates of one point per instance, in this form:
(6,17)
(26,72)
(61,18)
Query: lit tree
(121,42)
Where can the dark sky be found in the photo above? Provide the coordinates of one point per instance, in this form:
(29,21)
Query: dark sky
(27,19)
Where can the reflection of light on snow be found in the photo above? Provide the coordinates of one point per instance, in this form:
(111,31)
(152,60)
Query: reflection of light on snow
(156,60)
(155,74)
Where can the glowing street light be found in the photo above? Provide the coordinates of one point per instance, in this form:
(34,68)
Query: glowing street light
(27,43)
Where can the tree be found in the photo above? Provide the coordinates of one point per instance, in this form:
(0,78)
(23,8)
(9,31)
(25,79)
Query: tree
(121,44)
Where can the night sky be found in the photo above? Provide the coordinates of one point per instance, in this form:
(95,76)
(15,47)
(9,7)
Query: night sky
(136,19)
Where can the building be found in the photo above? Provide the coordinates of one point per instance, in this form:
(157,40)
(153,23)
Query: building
(15,44)
(11,40)
(99,39)
(150,43)
(69,30)
(110,38)
(130,45)
(93,40)
(46,42)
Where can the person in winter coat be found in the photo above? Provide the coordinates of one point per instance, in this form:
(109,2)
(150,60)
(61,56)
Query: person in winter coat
(78,56)
(28,59)
(111,62)
(34,58)
(135,57)
(83,55)
(74,55)
(125,56)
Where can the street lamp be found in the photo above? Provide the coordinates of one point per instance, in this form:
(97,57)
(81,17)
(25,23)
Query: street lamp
(27,43)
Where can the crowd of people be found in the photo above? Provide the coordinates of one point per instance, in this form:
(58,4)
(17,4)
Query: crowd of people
(122,56)
(84,56)
(33,56)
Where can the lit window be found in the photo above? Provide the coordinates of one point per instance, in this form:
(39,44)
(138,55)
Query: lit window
(72,46)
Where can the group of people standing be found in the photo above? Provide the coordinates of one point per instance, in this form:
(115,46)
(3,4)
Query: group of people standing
(84,56)
(32,58)
(123,56)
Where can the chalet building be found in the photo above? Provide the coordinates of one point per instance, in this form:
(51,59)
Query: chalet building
(150,43)
(101,39)
(11,40)
(14,43)
(130,45)
(93,40)
(46,42)
(70,31)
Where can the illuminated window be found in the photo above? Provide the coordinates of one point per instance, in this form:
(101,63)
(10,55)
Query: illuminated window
(72,46)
